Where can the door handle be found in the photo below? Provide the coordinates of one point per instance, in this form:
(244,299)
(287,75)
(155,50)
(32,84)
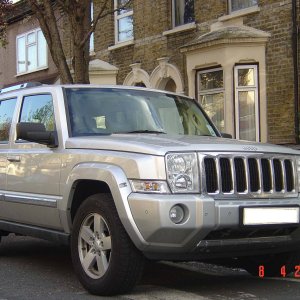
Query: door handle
(14,158)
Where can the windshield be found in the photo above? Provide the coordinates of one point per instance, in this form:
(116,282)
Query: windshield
(96,111)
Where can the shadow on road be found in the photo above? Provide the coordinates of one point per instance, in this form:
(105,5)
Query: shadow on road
(39,268)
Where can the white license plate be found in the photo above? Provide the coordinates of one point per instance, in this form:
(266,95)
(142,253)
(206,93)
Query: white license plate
(270,215)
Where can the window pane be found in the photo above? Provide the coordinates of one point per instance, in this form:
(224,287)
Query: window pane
(125,29)
(246,77)
(240,4)
(125,9)
(213,105)
(38,109)
(31,38)
(183,12)
(42,50)
(6,113)
(21,48)
(32,57)
(247,118)
(211,80)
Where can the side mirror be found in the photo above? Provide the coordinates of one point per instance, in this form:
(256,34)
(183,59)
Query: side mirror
(226,135)
(37,133)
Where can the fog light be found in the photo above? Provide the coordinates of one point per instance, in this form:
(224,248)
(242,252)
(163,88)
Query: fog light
(176,214)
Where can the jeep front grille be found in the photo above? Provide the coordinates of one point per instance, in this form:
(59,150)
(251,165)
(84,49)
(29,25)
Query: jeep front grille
(257,176)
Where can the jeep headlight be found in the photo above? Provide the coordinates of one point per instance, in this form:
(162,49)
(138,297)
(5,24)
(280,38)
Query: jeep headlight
(182,172)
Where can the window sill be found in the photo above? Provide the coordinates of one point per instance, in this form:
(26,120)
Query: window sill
(120,45)
(240,13)
(33,71)
(181,28)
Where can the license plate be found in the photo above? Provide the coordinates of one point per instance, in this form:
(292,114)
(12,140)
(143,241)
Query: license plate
(270,215)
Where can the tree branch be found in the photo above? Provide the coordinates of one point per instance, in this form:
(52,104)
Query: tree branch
(5,8)
(77,19)
(46,17)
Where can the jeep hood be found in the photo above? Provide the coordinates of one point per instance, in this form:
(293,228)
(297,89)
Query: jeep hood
(160,144)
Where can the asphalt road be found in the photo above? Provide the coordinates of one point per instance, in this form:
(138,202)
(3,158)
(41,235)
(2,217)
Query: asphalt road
(35,269)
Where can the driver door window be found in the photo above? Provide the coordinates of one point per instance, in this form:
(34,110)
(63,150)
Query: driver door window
(38,109)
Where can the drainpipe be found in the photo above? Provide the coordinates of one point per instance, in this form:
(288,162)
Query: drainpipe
(296,68)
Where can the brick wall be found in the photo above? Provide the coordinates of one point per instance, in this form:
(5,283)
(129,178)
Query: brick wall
(152,18)
(275,17)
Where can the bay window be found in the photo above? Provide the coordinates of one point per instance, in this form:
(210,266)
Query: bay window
(210,85)
(246,102)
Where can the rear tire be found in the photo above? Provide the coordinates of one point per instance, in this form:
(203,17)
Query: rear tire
(270,265)
(104,258)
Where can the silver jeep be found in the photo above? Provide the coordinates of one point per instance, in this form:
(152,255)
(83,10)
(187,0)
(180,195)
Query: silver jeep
(125,174)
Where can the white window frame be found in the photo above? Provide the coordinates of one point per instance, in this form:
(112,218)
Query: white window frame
(173,16)
(234,11)
(246,89)
(211,91)
(117,18)
(38,68)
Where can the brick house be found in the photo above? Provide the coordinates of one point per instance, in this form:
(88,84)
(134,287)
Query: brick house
(236,57)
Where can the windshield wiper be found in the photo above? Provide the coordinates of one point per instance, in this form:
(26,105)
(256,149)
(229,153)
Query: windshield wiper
(146,131)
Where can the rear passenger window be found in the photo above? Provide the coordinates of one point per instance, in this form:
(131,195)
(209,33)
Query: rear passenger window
(38,109)
(7,108)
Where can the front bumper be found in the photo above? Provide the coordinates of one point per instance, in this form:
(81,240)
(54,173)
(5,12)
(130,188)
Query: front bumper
(211,229)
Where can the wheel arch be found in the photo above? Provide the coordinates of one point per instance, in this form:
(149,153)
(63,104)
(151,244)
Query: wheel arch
(82,189)
(99,178)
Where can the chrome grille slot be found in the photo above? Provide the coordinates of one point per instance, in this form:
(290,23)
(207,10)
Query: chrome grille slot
(226,176)
(246,175)
(289,178)
(240,175)
(211,175)
(266,175)
(254,175)
(278,175)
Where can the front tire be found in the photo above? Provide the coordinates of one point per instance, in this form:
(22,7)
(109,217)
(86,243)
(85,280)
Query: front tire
(104,258)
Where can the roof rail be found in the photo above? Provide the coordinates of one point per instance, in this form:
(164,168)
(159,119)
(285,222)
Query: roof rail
(20,86)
